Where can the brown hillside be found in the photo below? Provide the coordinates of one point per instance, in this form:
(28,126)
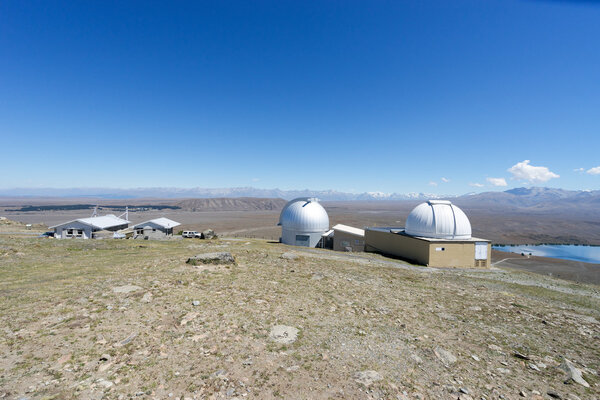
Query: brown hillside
(231,204)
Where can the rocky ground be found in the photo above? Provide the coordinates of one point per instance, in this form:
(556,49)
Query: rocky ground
(123,319)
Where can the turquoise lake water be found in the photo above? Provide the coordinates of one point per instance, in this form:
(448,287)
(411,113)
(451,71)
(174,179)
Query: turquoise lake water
(590,254)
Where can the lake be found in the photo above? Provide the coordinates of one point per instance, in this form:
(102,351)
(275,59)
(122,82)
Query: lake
(590,254)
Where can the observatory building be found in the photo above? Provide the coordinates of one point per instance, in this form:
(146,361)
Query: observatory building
(437,234)
(303,221)
(158,228)
(88,228)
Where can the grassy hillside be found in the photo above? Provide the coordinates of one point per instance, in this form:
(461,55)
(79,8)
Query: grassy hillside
(101,319)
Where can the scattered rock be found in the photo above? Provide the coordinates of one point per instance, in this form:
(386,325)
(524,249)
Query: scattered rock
(147,298)
(126,289)
(446,316)
(188,317)
(521,356)
(534,367)
(104,367)
(104,383)
(554,395)
(127,340)
(283,334)
(445,356)
(474,357)
(220,258)
(416,358)
(293,368)
(503,370)
(196,303)
(493,347)
(208,234)
(367,378)
(573,373)
(290,256)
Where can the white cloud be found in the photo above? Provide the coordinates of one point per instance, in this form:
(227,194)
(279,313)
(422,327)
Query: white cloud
(497,181)
(445,180)
(523,171)
(578,170)
(432,183)
(594,171)
(255,179)
(476,184)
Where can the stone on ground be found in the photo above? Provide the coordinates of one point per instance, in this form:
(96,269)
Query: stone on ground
(283,334)
(445,356)
(126,289)
(367,378)
(212,258)
(208,234)
(573,373)
(290,256)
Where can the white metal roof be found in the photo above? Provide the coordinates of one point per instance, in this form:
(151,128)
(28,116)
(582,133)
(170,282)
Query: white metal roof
(162,221)
(103,222)
(349,229)
(304,214)
(439,219)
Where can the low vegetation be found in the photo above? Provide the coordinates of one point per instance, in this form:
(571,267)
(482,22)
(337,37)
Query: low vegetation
(123,319)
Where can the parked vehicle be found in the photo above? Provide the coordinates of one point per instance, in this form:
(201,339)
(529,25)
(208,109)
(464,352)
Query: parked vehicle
(191,234)
(47,235)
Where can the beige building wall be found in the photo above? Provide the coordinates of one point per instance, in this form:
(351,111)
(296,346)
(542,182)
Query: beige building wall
(342,239)
(433,253)
(405,247)
(457,254)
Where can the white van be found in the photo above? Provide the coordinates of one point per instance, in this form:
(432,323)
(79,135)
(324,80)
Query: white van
(191,234)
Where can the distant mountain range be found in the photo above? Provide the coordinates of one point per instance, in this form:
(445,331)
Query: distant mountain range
(534,199)
(171,193)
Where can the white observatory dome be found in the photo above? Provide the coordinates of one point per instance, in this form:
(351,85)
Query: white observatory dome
(439,219)
(304,215)
(303,221)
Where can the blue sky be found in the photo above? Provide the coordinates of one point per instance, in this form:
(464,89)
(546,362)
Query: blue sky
(393,96)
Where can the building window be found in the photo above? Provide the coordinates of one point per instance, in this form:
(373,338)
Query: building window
(440,249)
(302,240)
(358,242)
(345,243)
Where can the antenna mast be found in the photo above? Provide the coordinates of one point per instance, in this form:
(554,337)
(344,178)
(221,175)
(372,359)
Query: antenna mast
(126,213)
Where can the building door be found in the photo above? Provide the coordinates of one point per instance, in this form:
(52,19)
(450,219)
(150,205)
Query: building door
(481,250)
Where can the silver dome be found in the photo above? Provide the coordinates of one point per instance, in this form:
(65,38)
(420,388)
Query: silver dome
(304,214)
(439,219)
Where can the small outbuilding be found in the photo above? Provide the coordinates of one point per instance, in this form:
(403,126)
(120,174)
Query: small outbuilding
(86,228)
(348,238)
(437,234)
(303,222)
(158,228)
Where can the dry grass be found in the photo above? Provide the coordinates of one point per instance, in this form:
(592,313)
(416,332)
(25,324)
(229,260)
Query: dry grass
(61,318)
